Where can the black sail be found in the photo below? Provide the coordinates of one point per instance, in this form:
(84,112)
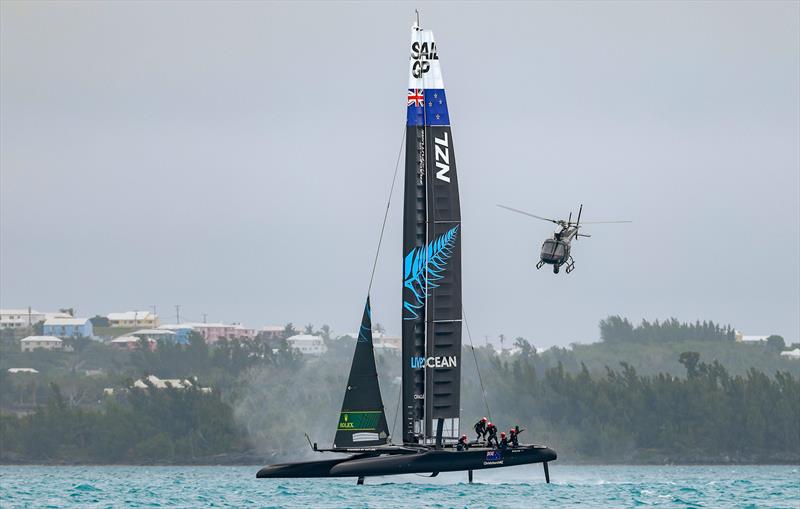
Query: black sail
(431,253)
(362,422)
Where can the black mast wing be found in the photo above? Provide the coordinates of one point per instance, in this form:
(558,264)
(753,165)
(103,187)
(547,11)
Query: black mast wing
(431,253)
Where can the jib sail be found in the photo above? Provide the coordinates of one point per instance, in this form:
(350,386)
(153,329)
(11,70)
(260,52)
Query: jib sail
(431,253)
(362,422)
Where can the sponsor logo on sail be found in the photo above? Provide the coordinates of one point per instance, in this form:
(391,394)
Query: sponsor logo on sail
(434,362)
(359,421)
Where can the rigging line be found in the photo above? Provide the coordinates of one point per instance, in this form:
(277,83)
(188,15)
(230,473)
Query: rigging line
(397,408)
(477,368)
(386,213)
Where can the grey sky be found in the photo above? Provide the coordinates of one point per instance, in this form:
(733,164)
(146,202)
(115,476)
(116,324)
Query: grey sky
(236,159)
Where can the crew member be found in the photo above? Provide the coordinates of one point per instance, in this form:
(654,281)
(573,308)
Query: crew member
(514,435)
(491,430)
(462,443)
(503,441)
(480,428)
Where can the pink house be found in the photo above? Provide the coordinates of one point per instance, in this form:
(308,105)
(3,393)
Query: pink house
(213,332)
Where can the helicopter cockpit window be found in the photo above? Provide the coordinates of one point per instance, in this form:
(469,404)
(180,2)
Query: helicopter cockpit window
(552,248)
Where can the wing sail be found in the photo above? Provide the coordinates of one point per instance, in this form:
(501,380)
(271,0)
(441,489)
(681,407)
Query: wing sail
(431,252)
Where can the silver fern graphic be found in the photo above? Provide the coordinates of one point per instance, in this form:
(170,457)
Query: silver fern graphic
(424,266)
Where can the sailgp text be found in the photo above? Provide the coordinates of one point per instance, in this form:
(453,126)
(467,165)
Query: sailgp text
(421,54)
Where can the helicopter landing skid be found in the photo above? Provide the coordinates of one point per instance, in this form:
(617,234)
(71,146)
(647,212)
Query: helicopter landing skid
(540,264)
(570,265)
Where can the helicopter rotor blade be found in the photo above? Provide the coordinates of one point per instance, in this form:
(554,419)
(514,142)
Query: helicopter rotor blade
(578,223)
(527,214)
(606,222)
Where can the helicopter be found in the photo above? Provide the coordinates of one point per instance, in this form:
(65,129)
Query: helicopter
(556,251)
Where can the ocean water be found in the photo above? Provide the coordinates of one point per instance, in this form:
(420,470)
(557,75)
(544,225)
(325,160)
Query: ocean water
(572,486)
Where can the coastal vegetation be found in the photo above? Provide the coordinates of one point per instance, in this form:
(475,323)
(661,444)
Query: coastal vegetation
(645,393)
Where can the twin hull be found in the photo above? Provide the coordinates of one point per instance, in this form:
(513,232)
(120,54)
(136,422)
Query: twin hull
(424,461)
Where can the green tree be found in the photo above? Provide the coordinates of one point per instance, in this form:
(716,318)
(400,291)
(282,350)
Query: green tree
(776,343)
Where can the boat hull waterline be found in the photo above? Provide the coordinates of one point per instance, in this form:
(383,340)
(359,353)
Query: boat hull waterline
(424,461)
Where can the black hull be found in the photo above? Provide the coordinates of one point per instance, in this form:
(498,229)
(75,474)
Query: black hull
(424,461)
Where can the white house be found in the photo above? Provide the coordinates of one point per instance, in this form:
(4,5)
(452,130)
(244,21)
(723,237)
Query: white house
(31,343)
(381,340)
(15,371)
(159,383)
(132,343)
(19,318)
(155,334)
(133,319)
(307,344)
(791,354)
(740,337)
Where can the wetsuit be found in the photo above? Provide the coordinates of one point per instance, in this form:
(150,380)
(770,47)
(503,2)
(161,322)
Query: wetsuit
(492,430)
(480,429)
(503,443)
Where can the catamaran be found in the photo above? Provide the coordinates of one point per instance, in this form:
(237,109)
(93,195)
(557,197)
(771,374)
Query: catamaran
(432,319)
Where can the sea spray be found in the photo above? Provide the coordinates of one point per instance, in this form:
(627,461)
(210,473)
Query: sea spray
(279,403)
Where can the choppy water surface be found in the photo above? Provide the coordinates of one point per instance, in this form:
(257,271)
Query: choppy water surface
(585,486)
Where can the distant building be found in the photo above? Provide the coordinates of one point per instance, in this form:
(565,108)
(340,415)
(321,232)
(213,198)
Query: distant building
(22,318)
(182,332)
(19,318)
(742,338)
(307,344)
(15,371)
(791,354)
(158,383)
(381,340)
(133,319)
(32,343)
(132,343)
(213,332)
(272,332)
(68,327)
(155,334)
(175,383)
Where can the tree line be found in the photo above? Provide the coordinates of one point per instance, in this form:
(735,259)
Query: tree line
(708,415)
(266,396)
(146,426)
(616,329)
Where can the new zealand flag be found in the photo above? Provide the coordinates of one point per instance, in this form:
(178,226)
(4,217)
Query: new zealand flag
(427,107)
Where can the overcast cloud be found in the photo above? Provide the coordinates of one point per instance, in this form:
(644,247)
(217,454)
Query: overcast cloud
(236,159)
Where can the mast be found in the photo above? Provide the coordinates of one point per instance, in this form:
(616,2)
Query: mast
(431,254)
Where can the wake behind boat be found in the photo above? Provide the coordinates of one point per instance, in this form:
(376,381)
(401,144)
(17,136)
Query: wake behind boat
(432,319)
